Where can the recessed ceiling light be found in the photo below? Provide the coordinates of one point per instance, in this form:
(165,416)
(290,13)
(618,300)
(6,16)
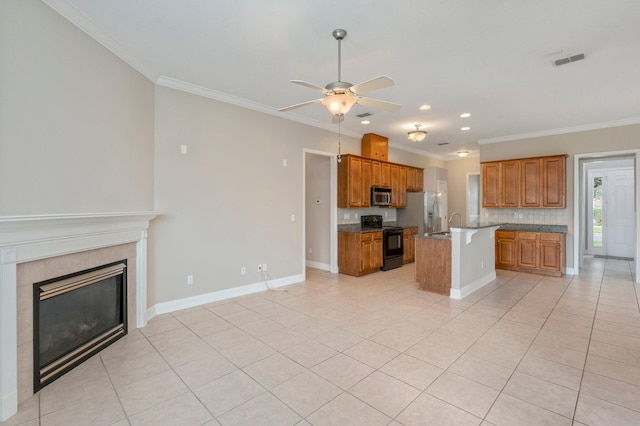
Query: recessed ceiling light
(465,128)
(425,107)
(365,122)
(465,115)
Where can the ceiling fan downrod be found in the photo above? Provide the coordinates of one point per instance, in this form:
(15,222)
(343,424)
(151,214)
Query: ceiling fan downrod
(339,35)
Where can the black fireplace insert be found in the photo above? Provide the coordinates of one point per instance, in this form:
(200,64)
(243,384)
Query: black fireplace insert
(76,316)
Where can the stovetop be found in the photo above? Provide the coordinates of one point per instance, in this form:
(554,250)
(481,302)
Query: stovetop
(374,222)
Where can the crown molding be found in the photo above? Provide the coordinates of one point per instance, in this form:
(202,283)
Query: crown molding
(563,130)
(415,151)
(194,89)
(88,26)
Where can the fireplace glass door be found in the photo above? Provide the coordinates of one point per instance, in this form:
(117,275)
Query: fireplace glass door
(75,317)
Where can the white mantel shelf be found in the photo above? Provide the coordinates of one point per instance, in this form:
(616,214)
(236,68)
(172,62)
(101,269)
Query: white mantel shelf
(34,237)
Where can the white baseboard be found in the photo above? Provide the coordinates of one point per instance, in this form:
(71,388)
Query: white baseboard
(569,271)
(461,293)
(8,405)
(318,265)
(202,299)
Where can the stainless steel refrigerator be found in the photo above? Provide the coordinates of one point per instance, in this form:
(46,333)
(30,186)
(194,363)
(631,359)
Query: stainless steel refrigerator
(423,210)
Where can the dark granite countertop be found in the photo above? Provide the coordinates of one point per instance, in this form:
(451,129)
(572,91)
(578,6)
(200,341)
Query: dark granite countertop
(355,227)
(530,227)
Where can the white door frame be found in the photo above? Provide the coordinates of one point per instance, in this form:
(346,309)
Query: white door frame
(333,208)
(469,196)
(578,225)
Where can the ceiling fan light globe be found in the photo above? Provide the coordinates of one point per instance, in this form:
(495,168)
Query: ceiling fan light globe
(339,104)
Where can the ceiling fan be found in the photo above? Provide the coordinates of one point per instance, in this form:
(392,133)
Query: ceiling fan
(340,96)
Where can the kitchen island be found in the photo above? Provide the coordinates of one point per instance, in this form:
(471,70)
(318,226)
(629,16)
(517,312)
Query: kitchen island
(459,262)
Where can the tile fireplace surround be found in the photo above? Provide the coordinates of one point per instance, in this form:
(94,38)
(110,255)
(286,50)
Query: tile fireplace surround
(73,238)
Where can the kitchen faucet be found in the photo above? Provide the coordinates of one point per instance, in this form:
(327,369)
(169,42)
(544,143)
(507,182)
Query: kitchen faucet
(459,217)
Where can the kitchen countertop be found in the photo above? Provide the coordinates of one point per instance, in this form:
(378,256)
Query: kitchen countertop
(530,227)
(355,227)
(446,235)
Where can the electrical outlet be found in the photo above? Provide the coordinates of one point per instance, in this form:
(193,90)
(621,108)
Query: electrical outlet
(345,216)
(243,271)
(482,264)
(264,267)
(189,279)
(310,250)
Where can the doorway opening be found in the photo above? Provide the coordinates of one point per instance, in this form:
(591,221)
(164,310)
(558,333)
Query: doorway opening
(320,210)
(608,207)
(473,197)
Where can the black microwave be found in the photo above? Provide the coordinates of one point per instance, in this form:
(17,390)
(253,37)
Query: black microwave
(380,196)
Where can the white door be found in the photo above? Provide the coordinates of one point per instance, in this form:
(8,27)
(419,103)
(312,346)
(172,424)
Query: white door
(619,217)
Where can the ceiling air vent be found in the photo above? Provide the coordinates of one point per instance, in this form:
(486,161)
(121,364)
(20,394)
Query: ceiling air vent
(568,59)
(364,114)
(443,143)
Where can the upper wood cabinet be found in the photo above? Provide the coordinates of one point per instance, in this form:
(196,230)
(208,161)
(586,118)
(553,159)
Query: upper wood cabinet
(530,182)
(509,183)
(554,185)
(525,183)
(491,184)
(398,186)
(381,174)
(354,174)
(375,147)
(415,179)
(357,175)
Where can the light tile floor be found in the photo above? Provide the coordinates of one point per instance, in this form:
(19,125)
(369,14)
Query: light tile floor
(375,350)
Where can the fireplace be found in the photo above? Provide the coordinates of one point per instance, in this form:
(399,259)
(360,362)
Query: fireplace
(76,316)
(38,248)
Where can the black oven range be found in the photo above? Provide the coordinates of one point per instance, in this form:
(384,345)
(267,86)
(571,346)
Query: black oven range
(392,249)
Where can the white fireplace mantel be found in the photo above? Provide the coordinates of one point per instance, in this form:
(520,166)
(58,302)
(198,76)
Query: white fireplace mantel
(28,238)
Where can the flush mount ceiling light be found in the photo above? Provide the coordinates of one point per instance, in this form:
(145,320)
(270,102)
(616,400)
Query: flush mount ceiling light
(463,154)
(417,135)
(425,107)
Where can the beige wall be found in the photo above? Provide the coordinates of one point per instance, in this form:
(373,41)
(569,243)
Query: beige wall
(76,122)
(587,142)
(457,171)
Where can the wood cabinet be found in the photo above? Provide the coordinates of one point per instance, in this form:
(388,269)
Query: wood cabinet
(506,250)
(415,179)
(554,185)
(409,245)
(538,182)
(381,174)
(491,184)
(530,183)
(509,183)
(359,253)
(375,147)
(433,265)
(357,175)
(535,252)
(354,182)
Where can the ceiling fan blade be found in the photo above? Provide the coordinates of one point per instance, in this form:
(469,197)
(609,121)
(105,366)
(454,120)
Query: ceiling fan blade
(374,84)
(375,103)
(290,107)
(337,118)
(309,85)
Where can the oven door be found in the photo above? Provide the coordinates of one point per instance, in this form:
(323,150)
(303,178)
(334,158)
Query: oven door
(392,243)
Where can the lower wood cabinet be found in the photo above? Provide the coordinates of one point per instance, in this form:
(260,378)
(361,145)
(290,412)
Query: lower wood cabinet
(409,245)
(534,252)
(359,253)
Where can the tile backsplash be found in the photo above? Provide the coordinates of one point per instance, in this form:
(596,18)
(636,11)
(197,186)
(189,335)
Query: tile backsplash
(353,215)
(533,216)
